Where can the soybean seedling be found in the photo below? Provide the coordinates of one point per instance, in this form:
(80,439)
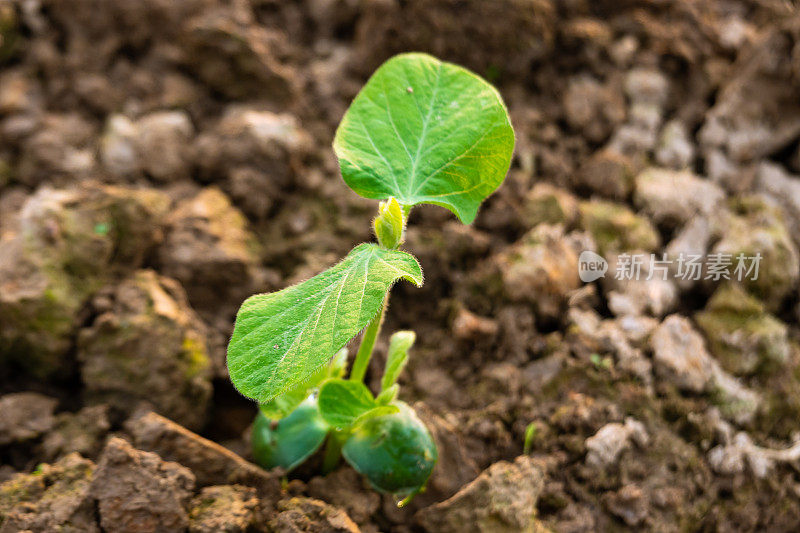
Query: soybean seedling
(420,131)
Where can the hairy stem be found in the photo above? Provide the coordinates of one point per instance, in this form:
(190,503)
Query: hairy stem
(368,344)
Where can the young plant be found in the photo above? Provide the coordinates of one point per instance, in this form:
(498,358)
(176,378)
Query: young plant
(420,131)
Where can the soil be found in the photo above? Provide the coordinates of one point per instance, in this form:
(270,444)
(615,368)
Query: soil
(160,161)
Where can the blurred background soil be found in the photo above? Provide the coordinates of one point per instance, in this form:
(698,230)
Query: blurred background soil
(162,160)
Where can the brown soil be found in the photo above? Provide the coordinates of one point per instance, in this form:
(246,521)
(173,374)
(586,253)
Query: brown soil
(160,161)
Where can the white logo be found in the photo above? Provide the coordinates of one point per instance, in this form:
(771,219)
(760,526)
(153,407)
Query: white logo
(591,266)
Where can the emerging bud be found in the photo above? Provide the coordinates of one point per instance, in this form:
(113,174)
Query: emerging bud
(388,225)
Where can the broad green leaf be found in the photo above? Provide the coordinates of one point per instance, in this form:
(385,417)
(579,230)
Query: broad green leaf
(341,402)
(426,131)
(399,345)
(290,441)
(281,339)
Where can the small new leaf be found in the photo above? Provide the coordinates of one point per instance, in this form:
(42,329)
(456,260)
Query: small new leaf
(281,339)
(380,410)
(399,345)
(425,131)
(342,402)
(388,225)
(338,365)
(387,396)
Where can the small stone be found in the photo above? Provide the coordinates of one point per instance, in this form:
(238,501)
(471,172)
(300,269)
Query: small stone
(53,498)
(502,498)
(624,49)
(58,149)
(117,147)
(756,227)
(468,325)
(592,108)
(592,335)
(158,145)
(681,358)
(637,329)
(692,240)
(607,173)
(234,55)
(137,492)
(306,514)
(615,228)
(542,268)
(211,463)
(727,460)
(756,112)
(672,198)
(223,509)
(261,153)
(25,416)
(724,172)
(162,142)
(209,249)
(82,432)
(675,149)
(636,141)
(680,355)
(735,32)
(605,447)
(784,188)
(734,455)
(346,489)
(639,296)
(735,401)
(547,204)
(646,85)
(630,503)
(741,334)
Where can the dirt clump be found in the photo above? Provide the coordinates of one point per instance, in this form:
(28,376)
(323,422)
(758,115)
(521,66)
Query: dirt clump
(146,344)
(137,491)
(503,498)
(25,416)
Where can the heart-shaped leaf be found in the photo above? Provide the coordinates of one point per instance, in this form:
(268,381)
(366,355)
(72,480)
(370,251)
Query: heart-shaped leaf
(426,131)
(341,402)
(281,339)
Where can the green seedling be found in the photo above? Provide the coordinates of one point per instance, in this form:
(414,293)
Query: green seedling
(420,131)
(530,434)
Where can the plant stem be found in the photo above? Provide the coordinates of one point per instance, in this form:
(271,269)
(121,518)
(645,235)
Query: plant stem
(361,362)
(333,451)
